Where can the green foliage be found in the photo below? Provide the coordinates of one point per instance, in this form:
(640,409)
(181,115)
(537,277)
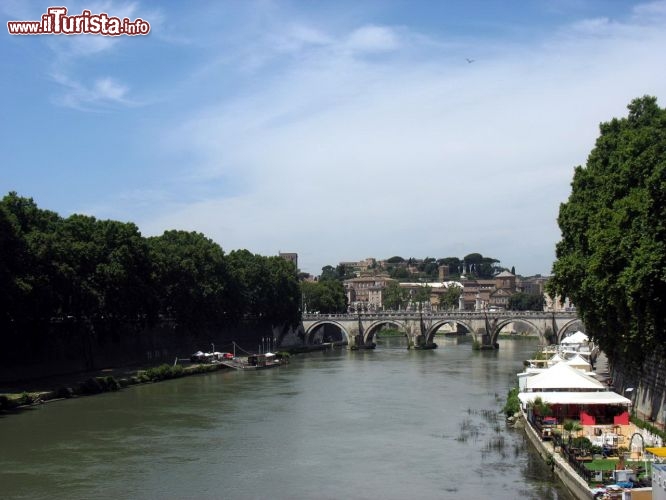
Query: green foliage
(572,427)
(163,372)
(526,302)
(89,273)
(541,408)
(449,299)
(91,386)
(454,264)
(611,260)
(400,273)
(193,275)
(641,424)
(390,332)
(422,295)
(394,297)
(109,383)
(478,266)
(25,399)
(512,405)
(326,296)
(581,442)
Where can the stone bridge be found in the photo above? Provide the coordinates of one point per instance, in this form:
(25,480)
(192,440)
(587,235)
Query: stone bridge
(359,330)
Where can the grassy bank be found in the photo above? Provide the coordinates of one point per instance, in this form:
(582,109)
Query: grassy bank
(99,384)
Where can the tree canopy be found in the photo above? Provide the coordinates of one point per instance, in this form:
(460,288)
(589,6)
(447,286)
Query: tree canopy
(526,302)
(394,296)
(83,269)
(611,260)
(325,296)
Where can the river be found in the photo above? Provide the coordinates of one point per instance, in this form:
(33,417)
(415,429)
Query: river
(388,423)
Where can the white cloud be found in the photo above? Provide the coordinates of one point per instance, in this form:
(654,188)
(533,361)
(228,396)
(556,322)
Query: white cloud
(99,95)
(70,51)
(344,158)
(372,39)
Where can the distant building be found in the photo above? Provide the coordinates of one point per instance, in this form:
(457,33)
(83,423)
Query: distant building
(476,294)
(366,292)
(291,257)
(533,285)
(437,288)
(361,266)
(505,281)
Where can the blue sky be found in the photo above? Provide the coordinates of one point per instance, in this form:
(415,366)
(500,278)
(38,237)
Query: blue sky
(339,130)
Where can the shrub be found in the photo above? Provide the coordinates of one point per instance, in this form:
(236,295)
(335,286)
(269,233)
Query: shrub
(164,372)
(90,386)
(512,405)
(64,392)
(25,399)
(582,442)
(641,424)
(108,383)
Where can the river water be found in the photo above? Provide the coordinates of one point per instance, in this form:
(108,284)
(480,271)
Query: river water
(383,424)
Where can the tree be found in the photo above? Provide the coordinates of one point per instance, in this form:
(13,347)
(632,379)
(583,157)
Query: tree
(393,296)
(526,302)
(422,296)
(329,273)
(264,288)
(611,260)
(450,298)
(344,272)
(399,273)
(191,276)
(324,296)
(453,263)
(480,266)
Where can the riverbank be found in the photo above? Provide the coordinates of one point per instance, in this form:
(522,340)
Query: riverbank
(23,394)
(564,472)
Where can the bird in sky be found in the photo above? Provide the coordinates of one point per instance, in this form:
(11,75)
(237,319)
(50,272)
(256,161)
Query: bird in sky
(470,61)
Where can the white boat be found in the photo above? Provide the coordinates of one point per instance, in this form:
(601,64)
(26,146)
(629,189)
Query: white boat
(253,362)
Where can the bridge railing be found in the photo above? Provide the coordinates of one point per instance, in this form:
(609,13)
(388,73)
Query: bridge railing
(440,315)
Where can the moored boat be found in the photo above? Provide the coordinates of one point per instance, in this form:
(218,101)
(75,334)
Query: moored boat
(253,362)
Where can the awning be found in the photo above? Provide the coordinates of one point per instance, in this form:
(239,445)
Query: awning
(657,452)
(563,377)
(575,398)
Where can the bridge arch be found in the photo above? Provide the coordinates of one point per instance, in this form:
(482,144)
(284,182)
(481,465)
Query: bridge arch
(372,330)
(430,334)
(309,333)
(565,327)
(508,321)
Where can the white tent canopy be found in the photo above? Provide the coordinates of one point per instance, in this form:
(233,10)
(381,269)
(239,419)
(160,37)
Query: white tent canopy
(564,378)
(573,398)
(555,359)
(576,338)
(579,362)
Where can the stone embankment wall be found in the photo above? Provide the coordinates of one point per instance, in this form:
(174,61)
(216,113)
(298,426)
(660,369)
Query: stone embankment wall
(573,482)
(646,388)
(68,349)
